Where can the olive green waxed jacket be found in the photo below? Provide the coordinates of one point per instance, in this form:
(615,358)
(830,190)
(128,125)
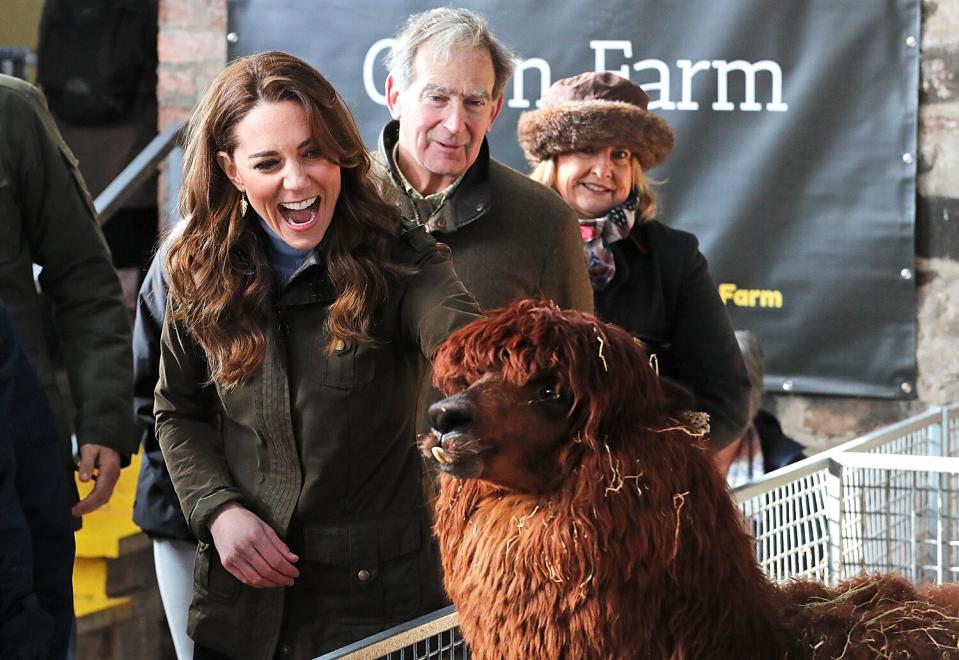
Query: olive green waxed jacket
(511,237)
(47,218)
(321,448)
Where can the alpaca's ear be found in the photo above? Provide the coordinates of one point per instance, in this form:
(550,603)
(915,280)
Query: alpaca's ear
(679,398)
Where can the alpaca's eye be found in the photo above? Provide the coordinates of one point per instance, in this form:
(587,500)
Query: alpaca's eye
(544,394)
(548,393)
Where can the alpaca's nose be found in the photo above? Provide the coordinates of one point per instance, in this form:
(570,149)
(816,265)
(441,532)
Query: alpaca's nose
(449,414)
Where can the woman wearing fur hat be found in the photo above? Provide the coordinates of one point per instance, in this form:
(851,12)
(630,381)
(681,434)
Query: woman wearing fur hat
(592,141)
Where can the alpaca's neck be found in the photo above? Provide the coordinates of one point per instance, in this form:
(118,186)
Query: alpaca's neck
(600,569)
(530,579)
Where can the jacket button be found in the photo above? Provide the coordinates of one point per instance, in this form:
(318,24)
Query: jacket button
(363,575)
(285,650)
(339,345)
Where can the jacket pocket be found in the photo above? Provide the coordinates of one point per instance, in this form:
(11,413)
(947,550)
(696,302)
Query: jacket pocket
(348,366)
(210,578)
(373,570)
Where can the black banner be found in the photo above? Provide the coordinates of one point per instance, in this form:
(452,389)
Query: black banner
(796,142)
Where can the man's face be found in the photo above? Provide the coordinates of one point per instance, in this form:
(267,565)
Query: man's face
(444,115)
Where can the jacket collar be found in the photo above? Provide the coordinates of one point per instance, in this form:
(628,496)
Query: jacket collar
(635,243)
(637,236)
(470,200)
(309,283)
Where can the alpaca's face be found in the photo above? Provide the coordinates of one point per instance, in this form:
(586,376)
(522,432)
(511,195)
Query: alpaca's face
(500,432)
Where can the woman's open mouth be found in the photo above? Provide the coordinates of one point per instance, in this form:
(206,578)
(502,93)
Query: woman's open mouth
(300,215)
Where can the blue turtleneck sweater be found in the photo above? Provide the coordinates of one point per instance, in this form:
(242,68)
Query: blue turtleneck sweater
(284,259)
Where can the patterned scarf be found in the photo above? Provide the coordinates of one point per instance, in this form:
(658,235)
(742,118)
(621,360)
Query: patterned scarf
(597,235)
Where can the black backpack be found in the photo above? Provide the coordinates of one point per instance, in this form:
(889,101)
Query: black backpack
(93,55)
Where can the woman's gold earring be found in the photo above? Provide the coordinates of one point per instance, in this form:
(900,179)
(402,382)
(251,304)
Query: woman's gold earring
(243,204)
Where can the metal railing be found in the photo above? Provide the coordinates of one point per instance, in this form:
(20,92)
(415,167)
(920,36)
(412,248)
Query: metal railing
(433,635)
(137,171)
(887,501)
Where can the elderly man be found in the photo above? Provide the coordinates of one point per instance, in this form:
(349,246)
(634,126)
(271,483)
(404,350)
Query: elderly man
(511,238)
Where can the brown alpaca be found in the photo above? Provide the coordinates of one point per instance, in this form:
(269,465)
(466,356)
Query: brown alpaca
(579,516)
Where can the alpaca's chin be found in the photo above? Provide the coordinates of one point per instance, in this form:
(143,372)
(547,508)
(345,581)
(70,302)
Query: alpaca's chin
(468,469)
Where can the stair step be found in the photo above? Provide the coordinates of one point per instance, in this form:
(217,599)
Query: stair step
(90,591)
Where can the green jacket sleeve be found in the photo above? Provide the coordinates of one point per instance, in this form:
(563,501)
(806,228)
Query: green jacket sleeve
(435,303)
(65,240)
(187,426)
(564,279)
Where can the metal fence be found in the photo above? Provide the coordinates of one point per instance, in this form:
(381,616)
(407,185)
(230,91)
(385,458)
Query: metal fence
(887,501)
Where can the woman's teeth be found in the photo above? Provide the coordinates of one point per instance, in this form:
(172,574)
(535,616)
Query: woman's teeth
(594,188)
(299,206)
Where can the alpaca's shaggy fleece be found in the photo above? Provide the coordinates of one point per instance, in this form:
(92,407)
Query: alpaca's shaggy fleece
(623,541)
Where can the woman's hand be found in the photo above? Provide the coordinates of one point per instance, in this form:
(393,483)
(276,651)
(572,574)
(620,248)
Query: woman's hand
(250,550)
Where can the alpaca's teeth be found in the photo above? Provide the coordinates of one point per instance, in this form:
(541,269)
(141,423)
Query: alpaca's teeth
(440,455)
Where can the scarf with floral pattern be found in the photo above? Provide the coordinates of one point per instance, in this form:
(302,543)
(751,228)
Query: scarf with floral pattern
(599,233)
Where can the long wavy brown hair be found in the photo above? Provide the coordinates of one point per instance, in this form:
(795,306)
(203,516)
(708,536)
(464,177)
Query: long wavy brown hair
(221,281)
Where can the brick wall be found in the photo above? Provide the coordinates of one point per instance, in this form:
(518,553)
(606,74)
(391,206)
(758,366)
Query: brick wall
(191,48)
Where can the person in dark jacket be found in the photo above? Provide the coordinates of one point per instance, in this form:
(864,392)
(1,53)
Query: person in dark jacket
(301,318)
(47,218)
(156,509)
(763,447)
(36,528)
(592,141)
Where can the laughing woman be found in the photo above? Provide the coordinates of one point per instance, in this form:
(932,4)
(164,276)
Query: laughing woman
(301,319)
(592,141)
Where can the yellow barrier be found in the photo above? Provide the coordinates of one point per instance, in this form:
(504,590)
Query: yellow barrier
(100,540)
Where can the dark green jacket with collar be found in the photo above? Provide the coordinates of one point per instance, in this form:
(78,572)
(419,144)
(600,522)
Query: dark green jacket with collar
(511,237)
(322,449)
(47,218)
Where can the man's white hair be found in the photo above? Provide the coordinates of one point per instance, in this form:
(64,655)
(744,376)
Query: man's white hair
(447,30)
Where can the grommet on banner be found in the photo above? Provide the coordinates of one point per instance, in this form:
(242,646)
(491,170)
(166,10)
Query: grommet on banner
(906,387)
(911,41)
(907,158)
(232,37)
(905,274)
(787,385)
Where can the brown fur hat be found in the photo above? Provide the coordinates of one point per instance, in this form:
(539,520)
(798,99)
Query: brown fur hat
(594,108)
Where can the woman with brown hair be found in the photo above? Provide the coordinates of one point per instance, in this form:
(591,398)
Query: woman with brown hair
(301,319)
(592,141)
